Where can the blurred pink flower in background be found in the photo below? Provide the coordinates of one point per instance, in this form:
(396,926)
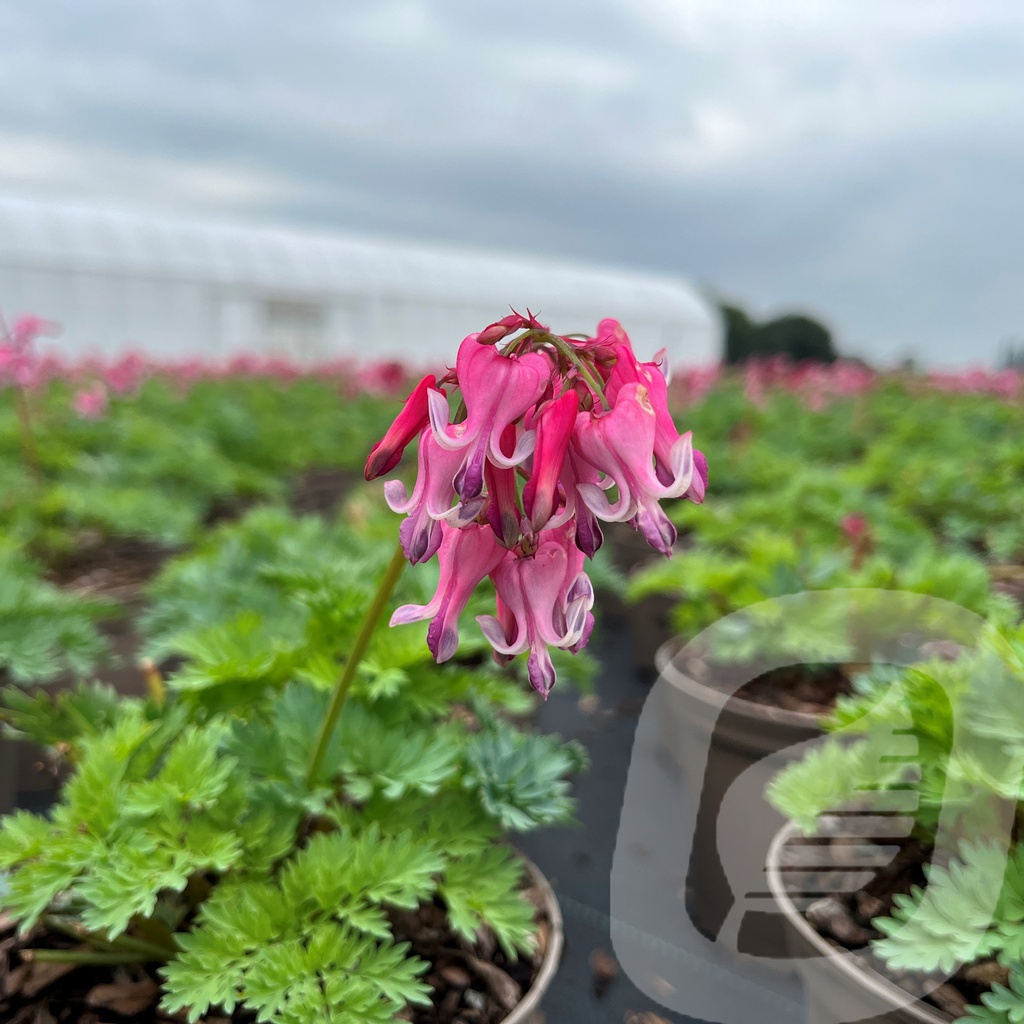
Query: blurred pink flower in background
(91,403)
(20,362)
(126,375)
(1001,383)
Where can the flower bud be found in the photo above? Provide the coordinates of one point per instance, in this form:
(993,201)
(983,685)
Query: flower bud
(388,451)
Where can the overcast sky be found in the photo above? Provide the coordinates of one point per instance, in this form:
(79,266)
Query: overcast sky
(862,160)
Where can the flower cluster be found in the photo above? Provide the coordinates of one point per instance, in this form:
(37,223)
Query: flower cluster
(551,435)
(1007,384)
(20,363)
(818,384)
(24,366)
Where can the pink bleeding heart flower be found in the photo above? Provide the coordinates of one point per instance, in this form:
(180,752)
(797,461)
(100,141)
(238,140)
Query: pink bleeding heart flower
(554,426)
(388,451)
(28,327)
(430,501)
(11,360)
(503,504)
(576,471)
(857,531)
(654,376)
(383,378)
(855,526)
(20,363)
(91,403)
(126,374)
(576,585)
(699,483)
(545,604)
(466,557)
(606,342)
(593,417)
(497,390)
(508,624)
(620,443)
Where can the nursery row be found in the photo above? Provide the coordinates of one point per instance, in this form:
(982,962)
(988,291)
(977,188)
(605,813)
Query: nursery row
(857,572)
(219,848)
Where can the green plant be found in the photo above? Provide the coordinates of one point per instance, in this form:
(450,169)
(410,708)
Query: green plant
(711,581)
(945,738)
(209,832)
(43,629)
(162,459)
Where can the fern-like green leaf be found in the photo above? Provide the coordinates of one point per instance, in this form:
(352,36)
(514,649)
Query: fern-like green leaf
(522,778)
(951,921)
(485,888)
(1003,1005)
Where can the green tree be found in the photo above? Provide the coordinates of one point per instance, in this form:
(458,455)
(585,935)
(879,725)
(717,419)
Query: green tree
(794,335)
(797,336)
(740,332)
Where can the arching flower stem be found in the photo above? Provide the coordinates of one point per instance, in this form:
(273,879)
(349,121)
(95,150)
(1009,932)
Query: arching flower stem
(362,641)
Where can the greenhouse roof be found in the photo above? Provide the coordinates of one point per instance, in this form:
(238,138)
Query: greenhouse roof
(64,236)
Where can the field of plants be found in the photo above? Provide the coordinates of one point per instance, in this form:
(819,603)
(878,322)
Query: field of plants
(188,553)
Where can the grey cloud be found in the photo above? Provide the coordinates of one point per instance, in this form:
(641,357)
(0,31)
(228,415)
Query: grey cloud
(865,169)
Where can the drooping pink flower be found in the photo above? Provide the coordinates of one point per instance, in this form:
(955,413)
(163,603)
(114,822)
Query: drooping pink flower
(384,378)
(387,452)
(503,495)
(554,426)
(430,501)
(126,374)
(497,391)
(857,531)
(9,357)
(653,376)
(91,403)
(466,556)
(620,443)
(576,471)
(28,327)
(20,362)
(593,417)
(699,482)
(854,526)
(576,585)
(692,385)
(541,608)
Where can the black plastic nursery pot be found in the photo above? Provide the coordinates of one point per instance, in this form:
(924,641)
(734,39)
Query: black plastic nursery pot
(715,739)
(837,989)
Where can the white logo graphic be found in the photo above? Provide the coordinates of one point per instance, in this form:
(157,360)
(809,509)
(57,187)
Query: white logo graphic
(695,923)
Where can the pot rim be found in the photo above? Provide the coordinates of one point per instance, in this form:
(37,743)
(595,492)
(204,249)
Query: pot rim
(520,1013)
(664,662)
(875,983)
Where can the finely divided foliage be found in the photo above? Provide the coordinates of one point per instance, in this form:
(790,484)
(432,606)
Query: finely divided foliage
(189,834)
(943,736)
(193,832)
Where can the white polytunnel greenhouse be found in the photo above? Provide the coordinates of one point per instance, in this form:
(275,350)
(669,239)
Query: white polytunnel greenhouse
(175,288)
